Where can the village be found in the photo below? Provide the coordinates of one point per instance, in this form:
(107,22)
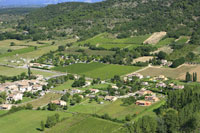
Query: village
(151,90)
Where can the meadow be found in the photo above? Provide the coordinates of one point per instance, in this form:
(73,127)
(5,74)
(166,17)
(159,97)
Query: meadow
(26,121)
(97,70)
(10,71)
(108,41)
(85,124)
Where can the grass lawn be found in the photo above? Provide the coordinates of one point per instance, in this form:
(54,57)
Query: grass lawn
(44,100)
(9,71)
(66,85)
(26,121)
(85,124)
(97,70)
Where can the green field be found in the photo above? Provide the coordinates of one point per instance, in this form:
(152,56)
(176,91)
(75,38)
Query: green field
(108,41)
(85,124)
(26,121)
(9,71)
(97,70)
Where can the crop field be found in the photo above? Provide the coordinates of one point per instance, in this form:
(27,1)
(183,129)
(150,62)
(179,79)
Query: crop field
(164,42)
(87,51)
(9,71)
(85,124)
(108,41)
(168,72)
(97,70)
(26,121)
(44,100)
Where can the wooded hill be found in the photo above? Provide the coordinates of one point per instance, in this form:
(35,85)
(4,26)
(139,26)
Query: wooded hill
(122,17)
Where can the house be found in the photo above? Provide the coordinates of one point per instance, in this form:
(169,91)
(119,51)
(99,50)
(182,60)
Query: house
(161,84)
(178,87)
(151,98)
(110,98)
(15,97)
(145,83)
(161,77)
(25,88)
(115,87)
(140,76)
(143,92)
(36,88)
(94,91)
(75,91)
(59,102)
(5,106)
(143,103)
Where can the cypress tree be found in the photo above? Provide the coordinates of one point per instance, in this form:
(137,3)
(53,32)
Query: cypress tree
(188,77)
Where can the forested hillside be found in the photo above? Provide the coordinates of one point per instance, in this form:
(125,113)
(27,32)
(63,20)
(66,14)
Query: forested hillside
(123,17)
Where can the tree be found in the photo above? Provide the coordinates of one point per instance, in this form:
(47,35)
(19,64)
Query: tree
(42,126)
(145,124)
(29,72)
(188,77)
(52,106)
(61,48)
(162,55)
(29,106)
(194,77)
(12,44)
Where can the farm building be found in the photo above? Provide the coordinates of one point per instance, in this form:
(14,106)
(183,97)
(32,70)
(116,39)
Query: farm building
(5,107)
(143,103)
(151,98)
(110,98)
(59,102)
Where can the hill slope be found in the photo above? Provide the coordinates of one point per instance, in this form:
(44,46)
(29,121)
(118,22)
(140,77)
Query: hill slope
(123,17)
